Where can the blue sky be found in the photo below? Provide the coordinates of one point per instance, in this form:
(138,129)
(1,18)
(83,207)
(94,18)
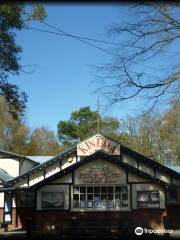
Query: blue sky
(64,79)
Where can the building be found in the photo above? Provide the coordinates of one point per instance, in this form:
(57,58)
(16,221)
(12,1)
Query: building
(97,180)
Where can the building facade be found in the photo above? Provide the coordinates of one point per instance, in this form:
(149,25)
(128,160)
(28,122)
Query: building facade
(97,180)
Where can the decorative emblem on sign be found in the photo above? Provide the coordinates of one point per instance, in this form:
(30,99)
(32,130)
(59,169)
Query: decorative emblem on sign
(95,143)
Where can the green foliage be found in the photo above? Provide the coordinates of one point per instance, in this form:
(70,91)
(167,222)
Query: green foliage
(42,141)
(13,17)
(83,123)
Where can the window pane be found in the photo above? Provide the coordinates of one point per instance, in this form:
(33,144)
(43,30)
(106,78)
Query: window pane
(89,196)
(76,196)
(97,189)
(90,204)
(103,189)
(82,189)
(110,196)
(118,189)
(110,189)
(89,189)
(124,197)
(118,204)
(97,204)
(82,196)
(82,204)
(118,196)
(76,189)
(76,204)
(97,197)
(110,204)
(124,203)
(103,196)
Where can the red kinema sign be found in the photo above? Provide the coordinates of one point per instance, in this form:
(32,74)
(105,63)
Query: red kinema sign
(96,143)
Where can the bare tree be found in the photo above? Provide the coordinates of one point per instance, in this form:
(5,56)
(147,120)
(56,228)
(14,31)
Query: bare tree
(147,62)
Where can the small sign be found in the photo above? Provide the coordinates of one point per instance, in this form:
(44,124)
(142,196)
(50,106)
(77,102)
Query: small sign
(98,142)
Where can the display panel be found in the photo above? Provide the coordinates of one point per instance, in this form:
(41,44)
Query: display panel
(148,199)
(52,200)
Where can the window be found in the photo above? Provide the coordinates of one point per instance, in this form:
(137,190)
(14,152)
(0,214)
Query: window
(100,197)
(148,199)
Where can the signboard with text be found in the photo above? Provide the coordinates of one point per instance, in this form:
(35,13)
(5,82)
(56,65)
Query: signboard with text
(99,173)
(98,142)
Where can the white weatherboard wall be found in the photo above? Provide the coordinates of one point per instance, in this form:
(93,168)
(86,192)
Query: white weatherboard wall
(11,166)
(36,177)
(68,161)
(146,187)
(129,160)
(146,168)
(53,188)
(163,176)
(65,179)
(26,165)
(50,170)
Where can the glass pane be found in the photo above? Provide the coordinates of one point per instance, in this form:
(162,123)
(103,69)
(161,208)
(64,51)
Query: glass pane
(110,204)
(76,204)
(110,189)
(82,189)
(82,196)
(124,203)
(118,203)
(110,196)
(103,189)
(97,204)
(124,197)
(90,204)
(89,196)
(76,197)
(103,203)
(118,189)
(97,197)
(7,217)
(124,189)
(103,196)
(82,204)
(89,189)
(118,196)
(76,189)
(97,189)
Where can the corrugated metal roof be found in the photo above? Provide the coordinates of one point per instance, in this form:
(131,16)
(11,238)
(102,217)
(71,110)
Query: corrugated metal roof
(4,176)
(175,168)
(40,159)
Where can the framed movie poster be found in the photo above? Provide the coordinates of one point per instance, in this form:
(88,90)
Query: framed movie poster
(148,199)
(53,200)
